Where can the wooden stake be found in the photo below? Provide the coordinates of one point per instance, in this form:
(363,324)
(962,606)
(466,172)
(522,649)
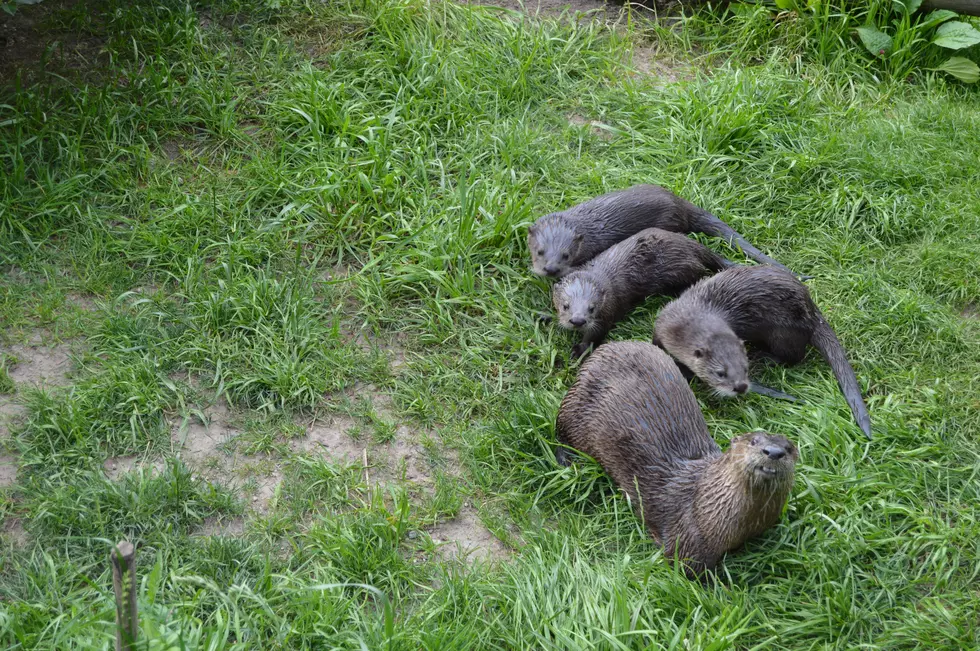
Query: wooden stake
(123,559)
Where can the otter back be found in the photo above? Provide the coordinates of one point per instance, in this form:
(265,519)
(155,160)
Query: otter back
(765,307)
(631,410)
(562,240)
(594,297)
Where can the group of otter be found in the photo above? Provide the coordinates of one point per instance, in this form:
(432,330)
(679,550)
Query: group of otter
(631,407)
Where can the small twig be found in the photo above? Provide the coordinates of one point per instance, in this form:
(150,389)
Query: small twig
(123,559)
(367,477)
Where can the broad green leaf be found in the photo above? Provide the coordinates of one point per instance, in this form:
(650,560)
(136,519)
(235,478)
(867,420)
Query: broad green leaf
(961,68)
(747,10)
(786,5)
(956,36)
(877,42)
(936,17)
(906,6)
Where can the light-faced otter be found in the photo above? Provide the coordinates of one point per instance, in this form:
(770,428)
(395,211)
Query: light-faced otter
(631,411)
(705,327)
(563,240)
(594,297)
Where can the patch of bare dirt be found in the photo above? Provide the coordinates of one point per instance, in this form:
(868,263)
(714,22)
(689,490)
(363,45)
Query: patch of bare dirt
(81,301)
(34,41)
(10,412)
(466,538)
(401,459)
(331,437)
(649,61)
(116,467)
(392,348)
(406,460)
(207,447)
(8,470)
(13,530)
(209,444)
(600,129)
(221,527)
(199,436)
(320,41)
(38,364)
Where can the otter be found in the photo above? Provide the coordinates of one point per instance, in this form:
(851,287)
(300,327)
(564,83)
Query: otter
(631,411)
(594,297)
(705,327)
(562,240)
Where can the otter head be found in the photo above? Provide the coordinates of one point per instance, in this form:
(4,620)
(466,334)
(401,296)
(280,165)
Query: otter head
(554,246)
(578,300)
(721,361)
(707,346)
(768,460)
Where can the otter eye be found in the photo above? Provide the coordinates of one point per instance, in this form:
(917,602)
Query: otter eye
(564,256)
(565,306)
(540,251)
(591,309)
(722,373)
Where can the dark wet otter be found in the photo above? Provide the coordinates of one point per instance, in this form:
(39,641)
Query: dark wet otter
(593,297)
(705,327)
(631,411)
(563,240)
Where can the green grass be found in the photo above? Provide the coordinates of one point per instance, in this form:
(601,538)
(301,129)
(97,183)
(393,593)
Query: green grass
(239,189)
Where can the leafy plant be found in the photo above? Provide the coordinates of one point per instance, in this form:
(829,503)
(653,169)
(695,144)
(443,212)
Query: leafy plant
(915,36)
(961,68)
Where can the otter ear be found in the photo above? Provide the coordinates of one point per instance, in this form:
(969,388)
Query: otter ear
(698,353)
(578,238)
(533,229)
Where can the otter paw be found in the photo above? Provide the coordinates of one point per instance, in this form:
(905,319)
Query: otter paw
(580,350)
(564,456)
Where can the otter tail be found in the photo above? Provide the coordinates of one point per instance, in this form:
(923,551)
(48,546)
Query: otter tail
(714,262)
(711,225)
(830,347)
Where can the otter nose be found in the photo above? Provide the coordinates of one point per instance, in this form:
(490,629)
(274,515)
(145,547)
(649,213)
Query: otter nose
(551,270)
(741,387)
(774,452)
(577,321)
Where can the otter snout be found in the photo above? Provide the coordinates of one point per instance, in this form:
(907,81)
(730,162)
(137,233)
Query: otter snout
(740,388)
(578,321)
(774,452)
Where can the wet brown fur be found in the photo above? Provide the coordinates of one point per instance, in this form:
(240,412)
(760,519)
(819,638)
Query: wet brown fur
(595,296)
(704,330)
(562,240)
(631,410)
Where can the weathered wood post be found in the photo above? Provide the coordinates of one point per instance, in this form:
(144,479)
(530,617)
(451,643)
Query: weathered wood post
(965,7)
(123,558)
